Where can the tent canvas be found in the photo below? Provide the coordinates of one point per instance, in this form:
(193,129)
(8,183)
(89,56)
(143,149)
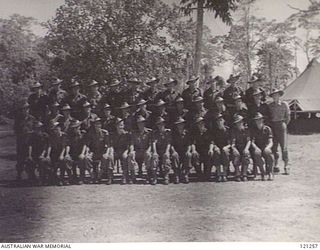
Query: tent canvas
(305,90)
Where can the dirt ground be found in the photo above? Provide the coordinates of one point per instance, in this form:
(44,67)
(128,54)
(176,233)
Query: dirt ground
(287,209)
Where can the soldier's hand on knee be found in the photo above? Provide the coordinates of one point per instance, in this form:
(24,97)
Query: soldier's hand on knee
(267,151)
(257,151)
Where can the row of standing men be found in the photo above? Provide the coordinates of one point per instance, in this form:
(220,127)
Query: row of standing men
(69,132)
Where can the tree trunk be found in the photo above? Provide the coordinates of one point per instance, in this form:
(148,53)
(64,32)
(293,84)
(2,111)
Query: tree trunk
(198,45)
(248,51)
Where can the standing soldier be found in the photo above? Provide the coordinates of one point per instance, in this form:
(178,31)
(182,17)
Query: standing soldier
(23,125)
(78,151)
(99,144)
(94,96)
(212,92)
(258,107)
(113,97)
(221,138)
(203,150)
(126,116)
(87,117)
(107,118)
(37,146)
(179,111)
(133,94)
(53,116)
(169,95)
(59,154)
(75,100)
(38,101)
(219,108)
(280,118)
(66,118)
(261,141)
(56,94)
(191,92)
(240,143)
(182,145)
(142,141)
(159,111)
(152,93)
(123,151)
(239,108)
(248,97)
(142,110)
(162,146)
(231,91)
(196,110)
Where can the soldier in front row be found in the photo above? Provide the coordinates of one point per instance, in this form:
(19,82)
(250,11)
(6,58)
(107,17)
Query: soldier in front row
(181,162)
(261,142)
(99,144)
(142,142)
(240,144)
(23,126)
(162,145)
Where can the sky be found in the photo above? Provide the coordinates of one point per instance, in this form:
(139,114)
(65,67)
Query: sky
(43,10)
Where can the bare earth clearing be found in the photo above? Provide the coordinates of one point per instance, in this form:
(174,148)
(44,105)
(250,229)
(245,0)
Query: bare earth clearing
(287,209)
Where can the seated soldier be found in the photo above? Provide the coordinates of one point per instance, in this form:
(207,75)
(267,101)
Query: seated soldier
(240,143)
(203,150)
(239,108)
(142,140)
(142,110)
(66,118)
(182,145)
(87,116)
(98,142)
(221,138)
(37,148)
(162,147)
(23,125)
(261,142)
(59,154)
(107,118)
(78,152)
(158,111)
(126,116)
(122,149)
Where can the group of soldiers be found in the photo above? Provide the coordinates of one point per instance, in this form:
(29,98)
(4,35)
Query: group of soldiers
(63,135)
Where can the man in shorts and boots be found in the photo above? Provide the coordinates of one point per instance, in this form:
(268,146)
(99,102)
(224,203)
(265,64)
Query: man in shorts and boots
(23,125)
(123,150)
(240,143)
(203,150)
(142,141)
(98,142)
(37,148)
(182,156)
(162,145)
(221,138)
(261,143)
(78,151)
(59,155)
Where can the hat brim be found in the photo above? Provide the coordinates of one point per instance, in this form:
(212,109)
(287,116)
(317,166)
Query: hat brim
(180,122)
(193,80)
(175,82)
(237,121)
(258,118)
(281,93)
(153,82)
